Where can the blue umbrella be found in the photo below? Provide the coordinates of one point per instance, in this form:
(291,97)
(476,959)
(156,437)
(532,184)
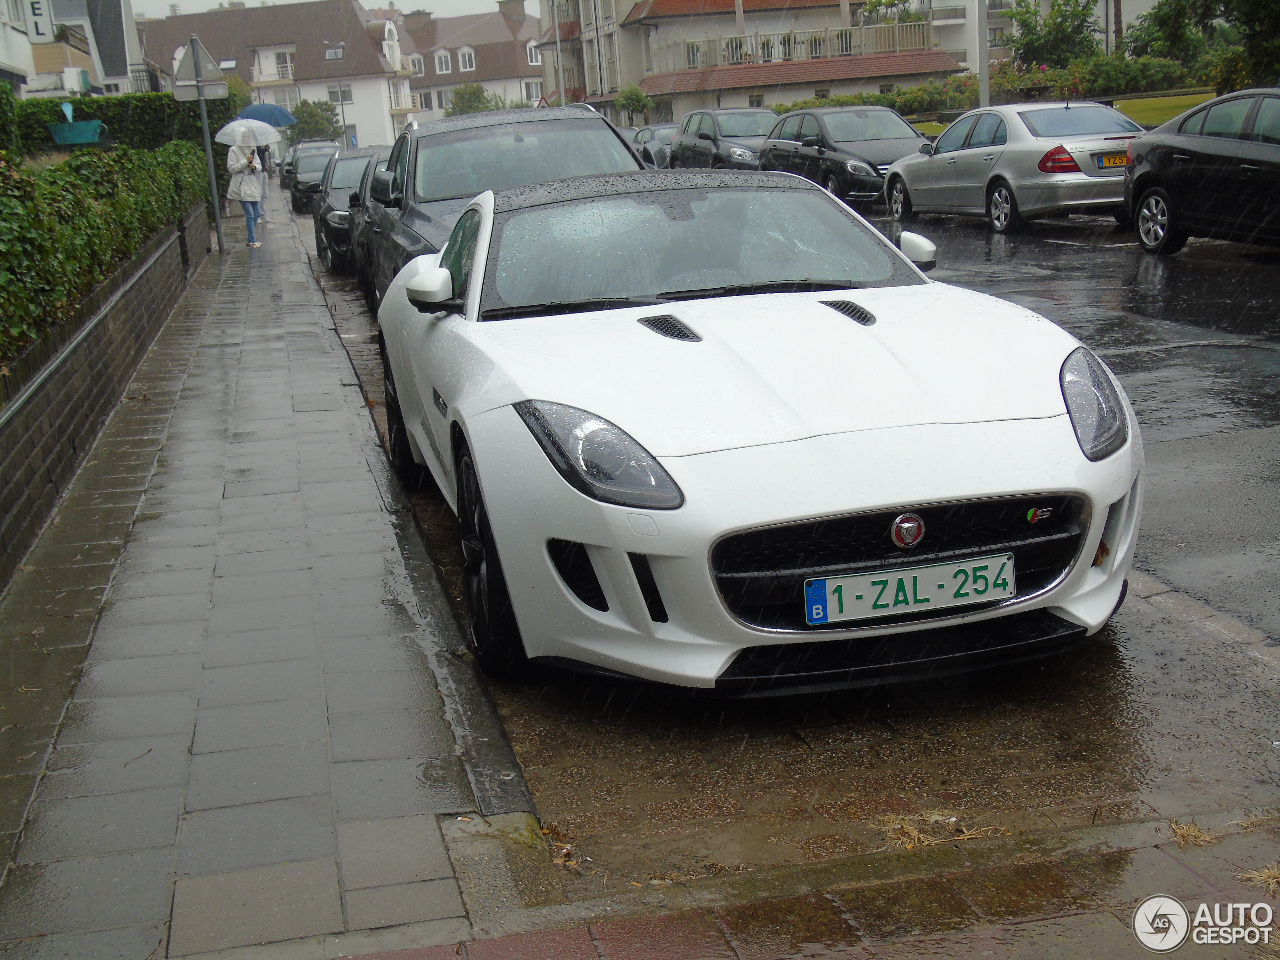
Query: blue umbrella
(270,113)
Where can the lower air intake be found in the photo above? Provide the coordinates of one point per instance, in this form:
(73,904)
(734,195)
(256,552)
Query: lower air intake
(573,563)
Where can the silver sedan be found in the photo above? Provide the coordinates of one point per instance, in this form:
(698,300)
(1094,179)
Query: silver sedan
(1018,161)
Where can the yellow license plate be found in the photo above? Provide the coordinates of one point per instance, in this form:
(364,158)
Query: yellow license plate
(1113,160)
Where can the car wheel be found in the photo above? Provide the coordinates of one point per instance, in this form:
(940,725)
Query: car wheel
(323,250)
(673,164)
(717,165)
(1158,230)
(900,202)
(1002,209)
(412,474)
(494,637)
(832,185)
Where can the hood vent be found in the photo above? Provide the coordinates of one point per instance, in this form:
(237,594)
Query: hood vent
(669,326)
(850,310)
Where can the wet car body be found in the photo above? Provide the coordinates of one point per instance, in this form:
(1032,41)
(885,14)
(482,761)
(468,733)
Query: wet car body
(1212,172)
(813,441)
(654,143)
(361,225)
(308,173)
(1012,162)
(288,168)
(729,138)
(342,178)
(435,170)
(845,149)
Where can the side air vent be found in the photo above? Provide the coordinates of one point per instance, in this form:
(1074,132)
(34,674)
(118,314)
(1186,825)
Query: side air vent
(648,587)
(672,327)
(573,563)
(850,310)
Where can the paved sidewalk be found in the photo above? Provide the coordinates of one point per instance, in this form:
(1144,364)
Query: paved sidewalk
(257,748)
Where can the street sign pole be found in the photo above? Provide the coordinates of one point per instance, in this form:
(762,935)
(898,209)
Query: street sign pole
(208,146)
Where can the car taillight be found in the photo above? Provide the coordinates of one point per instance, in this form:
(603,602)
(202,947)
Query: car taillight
(1129,154)
(1058,160)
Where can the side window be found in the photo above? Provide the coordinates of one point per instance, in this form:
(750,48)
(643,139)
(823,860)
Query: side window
(708,124)
(1191,125)
(1002,135)
(459,254)
(1227,119)
(644,136)
(953,138)
(1266,125)
(790,129)
(401,150)
(984,131)
(809,127)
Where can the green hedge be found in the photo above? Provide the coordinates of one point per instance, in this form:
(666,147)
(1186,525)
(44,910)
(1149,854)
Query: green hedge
(64,229)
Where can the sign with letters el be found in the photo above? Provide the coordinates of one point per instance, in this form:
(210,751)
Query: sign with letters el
(40,21)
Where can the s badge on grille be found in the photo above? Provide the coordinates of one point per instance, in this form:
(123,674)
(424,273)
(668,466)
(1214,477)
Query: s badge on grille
(907,531)
(1036,514)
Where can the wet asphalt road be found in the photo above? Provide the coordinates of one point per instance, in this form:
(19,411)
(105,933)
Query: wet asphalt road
(1148,721)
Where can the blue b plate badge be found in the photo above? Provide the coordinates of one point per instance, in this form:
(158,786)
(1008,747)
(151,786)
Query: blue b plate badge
(909,590)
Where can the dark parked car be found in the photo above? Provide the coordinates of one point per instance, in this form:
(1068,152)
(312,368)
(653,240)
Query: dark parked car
(308,172)
(722,138)
(332,207)
(288,167)
(848,150)
(437,169)
(1212,172)
(360,226)
(654,143)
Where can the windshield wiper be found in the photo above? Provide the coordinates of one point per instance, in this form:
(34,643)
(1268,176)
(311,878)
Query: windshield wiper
(746,289)
(568,306)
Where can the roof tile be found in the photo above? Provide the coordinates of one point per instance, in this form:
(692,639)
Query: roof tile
(912,63)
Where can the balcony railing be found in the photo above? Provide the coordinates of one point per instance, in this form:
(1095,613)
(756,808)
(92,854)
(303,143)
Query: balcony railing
(998,9)
(400,103)
(273,73)
(948,13)
(785,47)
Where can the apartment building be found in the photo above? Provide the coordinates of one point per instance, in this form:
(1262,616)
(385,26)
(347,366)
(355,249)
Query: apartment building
(16,67)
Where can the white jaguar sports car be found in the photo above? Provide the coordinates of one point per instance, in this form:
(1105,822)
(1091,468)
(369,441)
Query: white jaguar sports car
(713,430)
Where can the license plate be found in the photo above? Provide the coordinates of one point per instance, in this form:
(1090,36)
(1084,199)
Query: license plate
(1113,160)
(909,590)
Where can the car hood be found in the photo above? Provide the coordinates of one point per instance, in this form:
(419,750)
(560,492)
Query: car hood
(309,178)
(881,152)
(774,368)
(434,221)
(339,199)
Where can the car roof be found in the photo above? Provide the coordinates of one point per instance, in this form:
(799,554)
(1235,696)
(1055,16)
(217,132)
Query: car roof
(472,121)
(362,152)
(733,110)
(823,110)
(620,184)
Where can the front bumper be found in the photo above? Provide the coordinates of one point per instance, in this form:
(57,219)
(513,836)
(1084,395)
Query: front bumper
(862,189)
(698,642)
(733,164)
(1050,193)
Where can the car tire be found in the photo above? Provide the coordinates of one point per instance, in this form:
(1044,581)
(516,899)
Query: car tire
(717,165)
(324,251)
(900,202)
(411,473)
(1158,229)
(831,185)
(1002,208)
(494,635)
(673,164)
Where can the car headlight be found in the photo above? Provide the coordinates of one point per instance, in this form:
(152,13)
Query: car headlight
(599,459)
(859,168)
(739,153)
(338,218)
(1094,405)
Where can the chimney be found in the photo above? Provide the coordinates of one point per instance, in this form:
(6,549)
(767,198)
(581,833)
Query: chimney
(511,9)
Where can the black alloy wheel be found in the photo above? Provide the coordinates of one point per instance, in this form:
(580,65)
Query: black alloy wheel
(900,202)
(832,185)
(673,163)
(1002,208)
(494,637)
(1159,231)
(323,250)
(412,474)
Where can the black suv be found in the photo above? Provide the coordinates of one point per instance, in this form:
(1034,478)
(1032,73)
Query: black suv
(289,166)
(333,206)
(722,138)
(437,169)
(1212,172)
(308,170)
(845,149)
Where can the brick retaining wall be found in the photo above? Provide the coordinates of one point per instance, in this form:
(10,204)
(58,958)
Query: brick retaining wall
(55,417)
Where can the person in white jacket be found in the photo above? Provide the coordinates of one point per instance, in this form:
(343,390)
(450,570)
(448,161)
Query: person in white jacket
(242,164)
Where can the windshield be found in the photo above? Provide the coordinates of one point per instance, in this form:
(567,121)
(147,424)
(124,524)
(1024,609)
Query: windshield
(347,173)
(313,162)
(466,163)
(1077,121)
(868,125)
(746,124)
(678,244)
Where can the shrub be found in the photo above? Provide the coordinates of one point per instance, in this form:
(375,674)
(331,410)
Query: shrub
(65,228)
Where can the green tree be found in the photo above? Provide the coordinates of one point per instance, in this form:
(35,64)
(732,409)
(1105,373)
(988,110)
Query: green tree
(633,100)
(472,98)
(1068,32)
(317,120)
(1258,22)
(240,95)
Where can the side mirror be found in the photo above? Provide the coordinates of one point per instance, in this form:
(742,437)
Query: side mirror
(354,199)
(431,291)
(927,149)
(811,142)
(380,189)
(705,135)
(919,251)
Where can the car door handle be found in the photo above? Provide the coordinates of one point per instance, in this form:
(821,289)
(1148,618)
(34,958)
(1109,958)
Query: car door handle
(1181,156)
(1247,166)
(377,229)
(989,157)
(950,162)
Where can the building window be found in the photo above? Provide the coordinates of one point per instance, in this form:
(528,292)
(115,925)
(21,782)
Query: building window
(535,55)
(886,88)
(444,99)
(284,64)
(755,100)
(466,60)
(286,96)
(226,64)
(443,62)
(822,93)
(111,88)
(995,36)
(333,53)
(533,90)
(15,12)
(339,93)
